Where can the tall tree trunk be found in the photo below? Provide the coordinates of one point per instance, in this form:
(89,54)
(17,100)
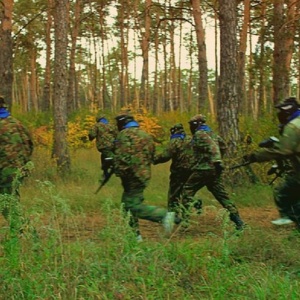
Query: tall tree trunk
(6,53)
(202,58)
(262,40)
(46,103)
(72,100)
(228,88)
(145,41)
(33,94)
(60,147)
(284,30)
(242,55)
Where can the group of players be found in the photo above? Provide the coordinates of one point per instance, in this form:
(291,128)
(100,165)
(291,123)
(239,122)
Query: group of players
(196,162)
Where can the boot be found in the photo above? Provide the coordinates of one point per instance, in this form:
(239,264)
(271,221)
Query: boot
(235,218)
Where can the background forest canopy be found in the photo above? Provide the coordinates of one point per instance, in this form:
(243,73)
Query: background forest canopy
(106,55)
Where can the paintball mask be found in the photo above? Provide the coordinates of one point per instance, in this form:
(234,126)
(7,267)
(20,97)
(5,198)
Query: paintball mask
(177,128)
(196,121)
(286,109)
(122,120)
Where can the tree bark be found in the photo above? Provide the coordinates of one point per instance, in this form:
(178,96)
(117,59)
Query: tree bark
(6,53)
(202,58)
(228,84)
(60,147)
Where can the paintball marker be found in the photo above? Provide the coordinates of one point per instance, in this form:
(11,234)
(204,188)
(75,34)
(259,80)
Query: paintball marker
(269,143)
(105,180)
(245,163)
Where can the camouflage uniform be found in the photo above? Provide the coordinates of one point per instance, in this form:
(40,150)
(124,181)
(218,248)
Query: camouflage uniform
(105,135)
(180,151)
(15,151)
(134,151)
(207,172)
(287,148)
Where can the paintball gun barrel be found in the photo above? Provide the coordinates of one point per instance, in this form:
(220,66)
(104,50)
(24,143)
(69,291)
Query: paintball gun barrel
(246,163)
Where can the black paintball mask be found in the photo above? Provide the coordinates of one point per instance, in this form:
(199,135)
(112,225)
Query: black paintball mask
(177,128)
(286,109)
(196,121)
(122,120)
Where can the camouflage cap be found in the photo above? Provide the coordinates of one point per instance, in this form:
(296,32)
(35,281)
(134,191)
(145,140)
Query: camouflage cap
(198,119)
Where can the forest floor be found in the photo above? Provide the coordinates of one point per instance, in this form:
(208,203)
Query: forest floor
(209,223)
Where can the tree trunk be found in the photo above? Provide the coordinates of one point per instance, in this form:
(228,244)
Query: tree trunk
(202,58)
(228,87)
(60,147)
(145,41)
(6,53)
(284,31)
(72,100)
(242,55)
(46,103)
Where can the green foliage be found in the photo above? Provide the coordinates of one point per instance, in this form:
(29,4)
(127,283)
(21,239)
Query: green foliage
(76,258)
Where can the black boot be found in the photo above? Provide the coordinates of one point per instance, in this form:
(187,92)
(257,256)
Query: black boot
(235,218)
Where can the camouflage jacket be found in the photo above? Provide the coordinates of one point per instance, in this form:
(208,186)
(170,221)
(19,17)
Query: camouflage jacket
(220,142)
(206,151)
(180,151)
(16,147)
(134,152)
(288,147)
(104,134)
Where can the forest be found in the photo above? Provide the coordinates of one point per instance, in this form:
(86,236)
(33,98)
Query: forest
(64,61)
(63,56)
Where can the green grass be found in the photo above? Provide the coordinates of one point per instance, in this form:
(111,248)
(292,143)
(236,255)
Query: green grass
(104,261)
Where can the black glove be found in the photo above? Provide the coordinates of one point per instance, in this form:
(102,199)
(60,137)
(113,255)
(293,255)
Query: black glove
(218,168)
(250,158)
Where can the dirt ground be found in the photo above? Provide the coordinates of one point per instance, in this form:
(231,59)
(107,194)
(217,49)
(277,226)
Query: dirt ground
(210,222)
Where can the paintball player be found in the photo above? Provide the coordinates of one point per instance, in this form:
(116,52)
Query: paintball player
(180,151)
(16,148)
(286,148)
(207,170)
(105,135)
(134,153)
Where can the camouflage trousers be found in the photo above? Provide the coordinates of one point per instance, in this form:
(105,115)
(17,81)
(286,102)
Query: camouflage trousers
(176,182)
(287,198)
(208,179)
(132,200)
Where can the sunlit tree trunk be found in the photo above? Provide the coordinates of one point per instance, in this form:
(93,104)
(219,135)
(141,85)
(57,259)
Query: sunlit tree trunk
(284,30)
(46,102)
(72,101)
(262,40)
(6,52)
(228,85)
(123,76)
(202,58)
(172,70)
(242,55)
(60,147)
(33,95)
(145,42)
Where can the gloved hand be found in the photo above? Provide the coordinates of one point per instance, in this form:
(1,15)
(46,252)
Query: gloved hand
(273,170)
(218,168)
(250,158)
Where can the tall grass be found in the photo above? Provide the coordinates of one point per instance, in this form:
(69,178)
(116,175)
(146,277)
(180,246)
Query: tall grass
(78,256)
